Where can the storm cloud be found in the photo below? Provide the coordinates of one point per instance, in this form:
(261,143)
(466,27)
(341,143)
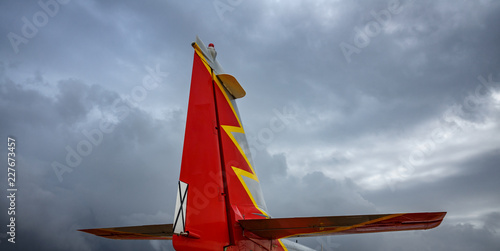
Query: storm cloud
(352,107)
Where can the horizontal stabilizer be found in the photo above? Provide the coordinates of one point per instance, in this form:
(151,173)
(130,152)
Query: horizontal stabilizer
(147,232)
(277,228)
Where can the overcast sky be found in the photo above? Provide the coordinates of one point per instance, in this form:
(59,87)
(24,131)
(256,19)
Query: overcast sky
(352,107)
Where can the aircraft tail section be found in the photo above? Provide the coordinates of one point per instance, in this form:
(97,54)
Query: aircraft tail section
(217,184)
(219,202)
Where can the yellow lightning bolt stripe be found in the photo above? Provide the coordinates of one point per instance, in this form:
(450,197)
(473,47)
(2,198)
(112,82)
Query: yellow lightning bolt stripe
(229,131)
(240,172)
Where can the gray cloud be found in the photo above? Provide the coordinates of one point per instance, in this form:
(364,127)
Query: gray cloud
(405,125)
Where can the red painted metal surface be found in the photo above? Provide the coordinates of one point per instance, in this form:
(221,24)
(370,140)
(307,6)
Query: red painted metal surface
(201,169)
